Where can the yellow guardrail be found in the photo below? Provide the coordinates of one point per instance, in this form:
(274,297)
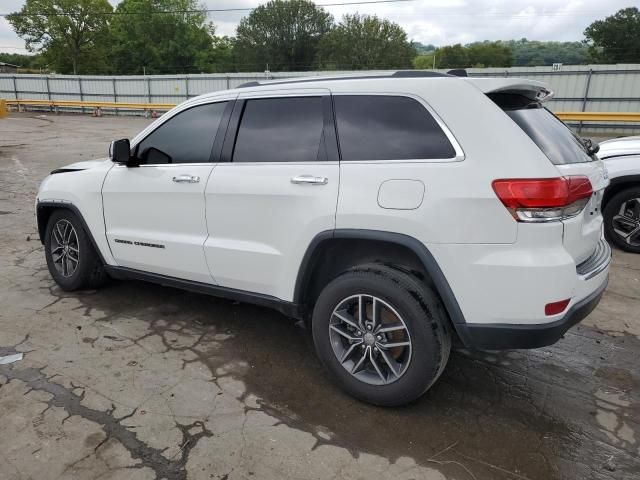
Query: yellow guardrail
(88,104)
(599,116)
(3,108)
(567,116)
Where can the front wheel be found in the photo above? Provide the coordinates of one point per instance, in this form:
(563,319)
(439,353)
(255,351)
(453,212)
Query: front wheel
(382,334)
(622,220)
(73,262)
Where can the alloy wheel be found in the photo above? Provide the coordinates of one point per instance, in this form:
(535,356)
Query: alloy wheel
(370,339)
(626,223)
(65,251)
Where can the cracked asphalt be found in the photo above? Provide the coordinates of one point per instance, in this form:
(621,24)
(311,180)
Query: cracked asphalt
(137,381)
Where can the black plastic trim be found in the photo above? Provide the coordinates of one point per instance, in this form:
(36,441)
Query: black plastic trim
(232,131)
(65,170)
(624,179)
(421,251)
(500,336)
(42,226)
(618,184)
(287,308)
(329,129)
(216,150)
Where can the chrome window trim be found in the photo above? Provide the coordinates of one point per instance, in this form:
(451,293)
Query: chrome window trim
(459,156)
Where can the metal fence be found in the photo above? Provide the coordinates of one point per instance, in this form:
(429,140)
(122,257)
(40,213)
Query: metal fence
(597,88)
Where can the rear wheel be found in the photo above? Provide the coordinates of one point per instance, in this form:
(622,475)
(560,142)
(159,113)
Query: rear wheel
(382,334)
(72,261)
(622,220)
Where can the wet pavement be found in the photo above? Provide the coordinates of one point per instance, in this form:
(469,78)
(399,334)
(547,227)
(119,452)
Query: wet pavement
(141,381)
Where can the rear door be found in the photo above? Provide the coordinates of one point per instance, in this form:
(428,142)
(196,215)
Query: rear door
(568,153)
(274,190)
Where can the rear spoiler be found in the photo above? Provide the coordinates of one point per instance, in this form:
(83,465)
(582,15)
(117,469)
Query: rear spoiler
(537,91)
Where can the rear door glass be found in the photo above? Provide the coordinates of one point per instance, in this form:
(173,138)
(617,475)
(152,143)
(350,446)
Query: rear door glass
(285,129)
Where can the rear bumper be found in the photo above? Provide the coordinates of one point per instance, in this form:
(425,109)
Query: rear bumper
(510,336)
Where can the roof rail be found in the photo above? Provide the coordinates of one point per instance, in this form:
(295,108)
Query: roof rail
(398,74)
(418,74)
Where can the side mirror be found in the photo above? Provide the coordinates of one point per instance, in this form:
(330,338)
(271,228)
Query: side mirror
(591,146)
(120,151)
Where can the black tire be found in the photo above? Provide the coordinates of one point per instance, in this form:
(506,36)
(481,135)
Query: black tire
(611,209)
(421,311)
(88,271)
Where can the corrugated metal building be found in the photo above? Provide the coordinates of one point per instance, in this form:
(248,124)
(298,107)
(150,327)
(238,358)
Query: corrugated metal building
(598,88)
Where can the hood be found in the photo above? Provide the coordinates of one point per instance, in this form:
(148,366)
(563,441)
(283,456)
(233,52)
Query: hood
(84,165)
(618,147)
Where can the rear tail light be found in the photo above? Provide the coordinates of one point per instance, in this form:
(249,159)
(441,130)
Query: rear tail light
(544,199)
(556,307)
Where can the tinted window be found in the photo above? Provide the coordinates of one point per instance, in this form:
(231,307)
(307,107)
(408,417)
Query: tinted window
(551,135)
(375,127)
(280,130)
(186,138)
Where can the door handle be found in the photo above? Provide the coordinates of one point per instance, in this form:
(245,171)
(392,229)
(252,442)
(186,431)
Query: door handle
(310,179)
(186,179)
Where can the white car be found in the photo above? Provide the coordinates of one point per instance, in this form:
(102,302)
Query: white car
(394,213)
(621,202)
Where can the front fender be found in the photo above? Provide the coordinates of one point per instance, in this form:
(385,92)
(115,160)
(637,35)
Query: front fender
(81,192)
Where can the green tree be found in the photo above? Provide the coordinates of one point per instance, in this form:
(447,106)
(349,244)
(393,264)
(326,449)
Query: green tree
(616,39)
(281,34)
(364,42)
(423,49)
(452,56)
(29,62)
(532,53)
(423,62)
(489,54)
(70,34)
(145,40)
(222,57)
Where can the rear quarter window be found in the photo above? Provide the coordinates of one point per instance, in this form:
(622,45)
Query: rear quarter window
(381,127)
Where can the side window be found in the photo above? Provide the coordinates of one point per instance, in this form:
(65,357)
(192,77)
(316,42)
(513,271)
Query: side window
(280,130)
(377,127)
(186,138)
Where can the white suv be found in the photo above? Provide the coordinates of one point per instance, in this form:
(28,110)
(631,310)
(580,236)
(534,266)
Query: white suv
(392,212)
(621,201)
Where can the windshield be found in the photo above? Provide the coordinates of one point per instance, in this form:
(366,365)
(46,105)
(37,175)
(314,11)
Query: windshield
(550,134)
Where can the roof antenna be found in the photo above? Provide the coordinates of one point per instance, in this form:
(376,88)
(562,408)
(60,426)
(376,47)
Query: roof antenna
(458,72)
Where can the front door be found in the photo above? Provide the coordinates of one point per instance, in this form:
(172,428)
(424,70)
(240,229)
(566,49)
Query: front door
(275,189)
(155,213)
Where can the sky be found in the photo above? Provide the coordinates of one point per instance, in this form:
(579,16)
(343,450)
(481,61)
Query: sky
(438,22)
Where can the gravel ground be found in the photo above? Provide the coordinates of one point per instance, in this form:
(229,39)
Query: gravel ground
(140,381)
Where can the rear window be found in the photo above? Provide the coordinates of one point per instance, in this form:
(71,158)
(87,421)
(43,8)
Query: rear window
(550,134)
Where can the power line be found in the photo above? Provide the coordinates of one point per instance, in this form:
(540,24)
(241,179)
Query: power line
(208,10)
(333,4)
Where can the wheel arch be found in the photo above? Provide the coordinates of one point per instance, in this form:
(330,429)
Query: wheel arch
(44,210)
(349,247)
(618,184)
